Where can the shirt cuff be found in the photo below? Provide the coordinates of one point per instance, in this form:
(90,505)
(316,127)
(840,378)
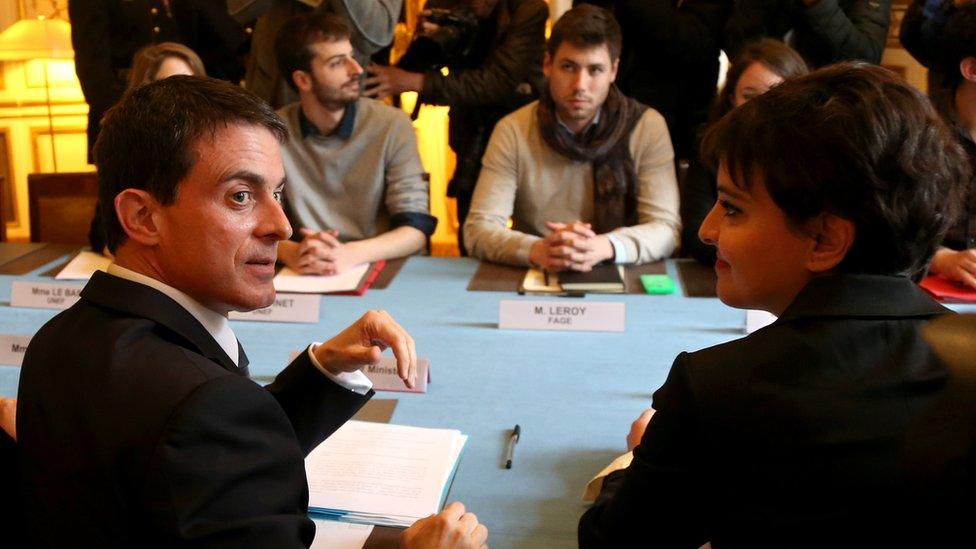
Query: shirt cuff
(619,250)
(423,222)
(356,382)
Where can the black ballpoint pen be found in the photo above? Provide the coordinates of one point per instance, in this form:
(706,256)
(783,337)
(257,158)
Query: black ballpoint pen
(512,440)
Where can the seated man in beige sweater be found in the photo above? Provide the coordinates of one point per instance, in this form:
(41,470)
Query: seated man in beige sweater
(585,173)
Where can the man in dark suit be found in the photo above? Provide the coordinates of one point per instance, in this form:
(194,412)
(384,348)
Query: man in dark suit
(834,190)
(137,423)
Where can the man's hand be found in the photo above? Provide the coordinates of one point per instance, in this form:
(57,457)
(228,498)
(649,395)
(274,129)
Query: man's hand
(363,343)
(637,429)
(425,27)
(8,416)
(956,265)
(451,528)
(570,247)
(385,81)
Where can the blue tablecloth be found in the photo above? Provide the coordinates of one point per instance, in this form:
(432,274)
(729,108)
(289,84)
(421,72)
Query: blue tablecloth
(574,394)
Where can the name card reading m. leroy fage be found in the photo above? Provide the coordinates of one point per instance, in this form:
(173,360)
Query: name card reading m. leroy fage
(589,316)
(286,308)
(12,349)
(43,295)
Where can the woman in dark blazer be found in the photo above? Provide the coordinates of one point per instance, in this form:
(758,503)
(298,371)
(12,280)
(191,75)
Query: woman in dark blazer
(835,189)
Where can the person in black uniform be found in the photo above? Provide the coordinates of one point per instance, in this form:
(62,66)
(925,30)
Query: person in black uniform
(106,34)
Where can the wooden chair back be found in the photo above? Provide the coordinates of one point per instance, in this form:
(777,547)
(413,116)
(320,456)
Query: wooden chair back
(3,220)
(61,206)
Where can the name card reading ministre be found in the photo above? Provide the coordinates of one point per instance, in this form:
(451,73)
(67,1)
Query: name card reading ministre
(12,349)
(286,308)
(43,295)
(384,375)
(589,316)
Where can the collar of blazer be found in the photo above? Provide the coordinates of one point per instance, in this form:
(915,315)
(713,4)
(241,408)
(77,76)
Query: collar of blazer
(867,296)
(141,301)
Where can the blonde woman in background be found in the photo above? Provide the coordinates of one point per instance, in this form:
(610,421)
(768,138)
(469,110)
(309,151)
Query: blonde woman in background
(158,61)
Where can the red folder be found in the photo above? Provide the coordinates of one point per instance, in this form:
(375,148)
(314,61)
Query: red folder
(948,291)
(368,278)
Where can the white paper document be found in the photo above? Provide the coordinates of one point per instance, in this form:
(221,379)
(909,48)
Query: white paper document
(83,266)
(330,534)
(289,281)
(377,473)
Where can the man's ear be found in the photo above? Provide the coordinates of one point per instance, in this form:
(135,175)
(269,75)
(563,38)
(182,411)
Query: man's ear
(834,237)
(137,211)
(967,68)
(613,69)
(546,64)
(302,80)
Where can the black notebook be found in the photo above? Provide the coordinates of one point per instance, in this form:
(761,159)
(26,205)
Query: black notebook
(608,279)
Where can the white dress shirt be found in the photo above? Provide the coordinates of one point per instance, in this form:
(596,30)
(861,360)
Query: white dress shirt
(219,328)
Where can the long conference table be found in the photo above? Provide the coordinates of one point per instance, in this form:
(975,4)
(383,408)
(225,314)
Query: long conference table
(574,394)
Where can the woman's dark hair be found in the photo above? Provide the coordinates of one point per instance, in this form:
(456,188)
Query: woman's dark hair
(146,61)
(294,41)
(776,56)
(148,140)
(856,141)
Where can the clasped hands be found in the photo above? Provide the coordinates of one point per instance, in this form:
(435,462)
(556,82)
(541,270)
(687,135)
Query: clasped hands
(570,247)
(319,253)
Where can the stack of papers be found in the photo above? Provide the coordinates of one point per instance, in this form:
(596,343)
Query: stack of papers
(290,281)
(376,473)
(605,279)
(83,266)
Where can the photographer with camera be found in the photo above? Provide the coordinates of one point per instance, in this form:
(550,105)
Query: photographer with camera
(493,50)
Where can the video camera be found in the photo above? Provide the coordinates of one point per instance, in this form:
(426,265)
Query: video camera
(451,42)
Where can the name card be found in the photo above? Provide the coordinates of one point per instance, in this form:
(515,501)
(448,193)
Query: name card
(43,295)
(758,319)
(591,316)
(286,308)
(12,349)
(384,375)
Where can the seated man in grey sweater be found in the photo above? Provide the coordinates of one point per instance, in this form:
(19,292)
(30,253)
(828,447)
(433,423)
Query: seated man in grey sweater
(356,188)
(585,173)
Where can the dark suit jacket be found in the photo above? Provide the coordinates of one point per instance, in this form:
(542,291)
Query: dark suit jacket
(136,429)
(793,436)
(106,34)
(827,32)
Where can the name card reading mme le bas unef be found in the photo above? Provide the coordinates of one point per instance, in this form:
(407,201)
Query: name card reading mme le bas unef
(43,295)
(589,316)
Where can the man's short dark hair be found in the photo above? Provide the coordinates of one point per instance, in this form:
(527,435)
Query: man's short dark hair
(148,140)
(958,42)
(586,26)
(293,44)
(856,141)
